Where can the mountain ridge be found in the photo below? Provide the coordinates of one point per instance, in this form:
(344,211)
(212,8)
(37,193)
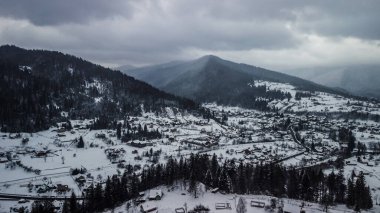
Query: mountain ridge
(210,78)
(37,85)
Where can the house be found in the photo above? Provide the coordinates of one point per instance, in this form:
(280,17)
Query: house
(25,140)
(180,210)
(257,204)
(62,188)
(370,163)
(100,135)
(351,163)
(81,179)
(3,160)
(155,194)
(42,189)
(145,208)
(62,129)
(215,190)
(222,206)
(41,154)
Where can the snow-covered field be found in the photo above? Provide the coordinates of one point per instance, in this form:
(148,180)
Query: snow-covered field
(177,197)
(47,158)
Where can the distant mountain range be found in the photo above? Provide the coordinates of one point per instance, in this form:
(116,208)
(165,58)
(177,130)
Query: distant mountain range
(363,80)
(212,79)
(36,86)
(125,67)
(39,88)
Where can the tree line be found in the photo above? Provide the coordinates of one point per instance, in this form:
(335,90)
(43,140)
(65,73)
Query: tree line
(230,177)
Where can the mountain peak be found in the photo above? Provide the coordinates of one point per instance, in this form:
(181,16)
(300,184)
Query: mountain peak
(209,58)
(210,78)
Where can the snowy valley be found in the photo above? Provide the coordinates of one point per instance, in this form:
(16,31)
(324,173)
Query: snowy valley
(53,164)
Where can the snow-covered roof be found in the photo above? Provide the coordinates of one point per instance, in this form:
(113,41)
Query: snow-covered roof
(154,193)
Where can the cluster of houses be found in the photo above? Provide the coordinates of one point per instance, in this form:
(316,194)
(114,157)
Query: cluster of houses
(45,185)
(313,131)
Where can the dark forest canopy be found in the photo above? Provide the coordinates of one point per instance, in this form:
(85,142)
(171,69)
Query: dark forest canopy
(309,184)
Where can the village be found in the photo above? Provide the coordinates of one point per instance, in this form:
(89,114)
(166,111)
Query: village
(63,160)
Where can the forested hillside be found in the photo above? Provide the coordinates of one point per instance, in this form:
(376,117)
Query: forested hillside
(39,88)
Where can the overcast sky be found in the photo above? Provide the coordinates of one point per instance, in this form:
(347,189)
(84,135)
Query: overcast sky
(279,35)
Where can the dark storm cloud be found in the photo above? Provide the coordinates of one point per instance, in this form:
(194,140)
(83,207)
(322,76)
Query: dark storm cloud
(334,18)
(53,12)
(115,32)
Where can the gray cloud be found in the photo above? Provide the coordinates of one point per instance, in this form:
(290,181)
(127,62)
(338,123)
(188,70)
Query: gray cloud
(358,19)
(270,33)
(53,12)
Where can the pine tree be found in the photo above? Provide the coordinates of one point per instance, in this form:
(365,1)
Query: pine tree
(351,141)
(108,194)
(98,198)
(208,178)
(80,142)
(118,131)
(65,207)
(145,129)
(224,181)
(139,128)
(331,185)
(305,186)
(90,198)
(368,198)
(241,179)
(360,191)
(350,200)
(73,203)
(325,200)
(293,185)
(241,206)
(193,185)
(341,187)
(134,190)
(45,206)
(214,169)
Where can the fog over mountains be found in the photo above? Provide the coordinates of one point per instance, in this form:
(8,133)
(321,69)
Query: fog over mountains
(360,80)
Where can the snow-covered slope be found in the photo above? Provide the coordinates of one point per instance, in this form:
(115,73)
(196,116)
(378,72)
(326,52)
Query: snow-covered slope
(317,102)
(360,80)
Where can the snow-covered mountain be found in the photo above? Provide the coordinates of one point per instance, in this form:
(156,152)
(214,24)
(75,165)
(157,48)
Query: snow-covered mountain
(212,79)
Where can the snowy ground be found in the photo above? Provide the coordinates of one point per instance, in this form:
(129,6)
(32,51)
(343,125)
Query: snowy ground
(318,102)
(183,199)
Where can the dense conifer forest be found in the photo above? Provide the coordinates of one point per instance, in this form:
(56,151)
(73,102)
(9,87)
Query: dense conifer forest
(309,184)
